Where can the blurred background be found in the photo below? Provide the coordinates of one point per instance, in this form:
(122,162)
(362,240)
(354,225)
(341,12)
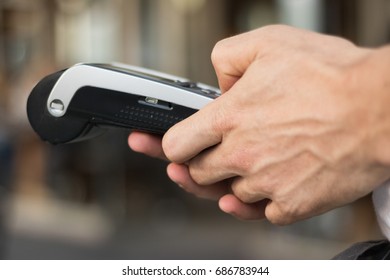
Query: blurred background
(99,200)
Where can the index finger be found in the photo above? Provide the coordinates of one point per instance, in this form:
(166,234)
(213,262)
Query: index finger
(146,143)
(198,132)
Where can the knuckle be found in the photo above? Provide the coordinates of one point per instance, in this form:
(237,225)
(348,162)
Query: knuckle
(279,221)
(283,213)
(243,195)
(243,191)
(239,161)
(219,123)
(276,219)
(195,175)
(268,182)
(275,28)
(217,54)
(196,172)
(223,118)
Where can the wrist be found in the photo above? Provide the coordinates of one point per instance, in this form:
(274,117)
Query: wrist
(376,71)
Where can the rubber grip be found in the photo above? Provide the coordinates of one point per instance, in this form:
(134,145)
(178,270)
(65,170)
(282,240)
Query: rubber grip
(52,129)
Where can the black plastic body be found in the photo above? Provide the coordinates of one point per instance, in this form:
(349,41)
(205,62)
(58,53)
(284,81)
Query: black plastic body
(92,110)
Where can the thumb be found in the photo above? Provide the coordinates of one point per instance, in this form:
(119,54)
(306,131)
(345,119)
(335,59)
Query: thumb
(232,56)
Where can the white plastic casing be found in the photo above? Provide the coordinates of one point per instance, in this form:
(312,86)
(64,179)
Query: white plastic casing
(81,75)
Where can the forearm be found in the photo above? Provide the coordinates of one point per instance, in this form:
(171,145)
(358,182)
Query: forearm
(380,60)
(375,71)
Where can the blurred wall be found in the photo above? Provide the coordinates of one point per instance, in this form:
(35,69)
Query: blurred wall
(85,201)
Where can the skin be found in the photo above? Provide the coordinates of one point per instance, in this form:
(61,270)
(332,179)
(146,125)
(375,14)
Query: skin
(302,127)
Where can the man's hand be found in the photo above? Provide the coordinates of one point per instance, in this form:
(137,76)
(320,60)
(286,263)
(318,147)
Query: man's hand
(296,132)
